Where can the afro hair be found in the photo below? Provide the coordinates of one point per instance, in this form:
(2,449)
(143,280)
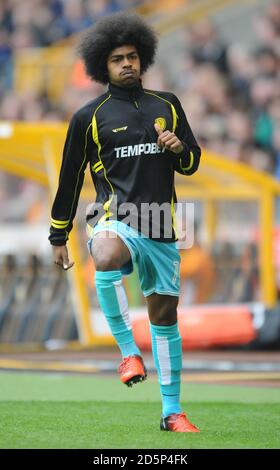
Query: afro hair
(114,31)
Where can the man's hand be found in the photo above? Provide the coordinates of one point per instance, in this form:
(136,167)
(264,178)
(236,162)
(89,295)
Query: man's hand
(60,257)
(168,140)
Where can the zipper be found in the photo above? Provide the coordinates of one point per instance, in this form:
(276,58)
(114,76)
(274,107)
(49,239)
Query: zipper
(136,104)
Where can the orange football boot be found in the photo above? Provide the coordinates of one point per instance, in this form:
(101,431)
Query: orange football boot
(177,423)
(132,370)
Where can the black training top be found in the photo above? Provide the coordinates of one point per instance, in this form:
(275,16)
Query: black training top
(115,135)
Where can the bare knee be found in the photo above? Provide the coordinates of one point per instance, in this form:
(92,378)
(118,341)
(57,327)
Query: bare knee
(107,262)
(105,258)
(163,312)
(108,254)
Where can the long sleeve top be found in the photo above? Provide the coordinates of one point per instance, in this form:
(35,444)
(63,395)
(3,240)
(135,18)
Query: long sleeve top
(115,135)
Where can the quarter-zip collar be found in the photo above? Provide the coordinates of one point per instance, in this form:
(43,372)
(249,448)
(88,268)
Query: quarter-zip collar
(128,94)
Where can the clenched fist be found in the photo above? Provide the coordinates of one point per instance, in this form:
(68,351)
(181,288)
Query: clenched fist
(168,140)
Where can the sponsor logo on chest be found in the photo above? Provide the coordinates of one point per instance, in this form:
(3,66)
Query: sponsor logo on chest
(138,150)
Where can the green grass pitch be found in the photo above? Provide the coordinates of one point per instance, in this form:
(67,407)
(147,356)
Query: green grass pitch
(72,411)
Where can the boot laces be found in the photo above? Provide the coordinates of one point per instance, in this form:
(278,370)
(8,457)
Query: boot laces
(125,364)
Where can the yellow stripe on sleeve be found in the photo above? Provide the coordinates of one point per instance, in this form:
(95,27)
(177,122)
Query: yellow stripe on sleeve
(190,165)
(59,223)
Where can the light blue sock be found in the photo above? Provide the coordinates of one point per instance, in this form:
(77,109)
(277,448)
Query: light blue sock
(167,353)
(113,301)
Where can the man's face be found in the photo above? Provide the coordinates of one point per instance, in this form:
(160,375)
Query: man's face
(123,66)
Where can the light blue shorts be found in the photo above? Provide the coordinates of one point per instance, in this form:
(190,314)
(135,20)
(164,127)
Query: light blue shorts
(158,263)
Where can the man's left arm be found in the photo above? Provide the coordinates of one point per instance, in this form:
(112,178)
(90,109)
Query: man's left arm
(185,150)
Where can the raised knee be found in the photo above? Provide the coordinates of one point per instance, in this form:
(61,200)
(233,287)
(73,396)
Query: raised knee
(107,262)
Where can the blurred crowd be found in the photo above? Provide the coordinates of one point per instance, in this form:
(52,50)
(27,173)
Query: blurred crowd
(232,94)
(39,24)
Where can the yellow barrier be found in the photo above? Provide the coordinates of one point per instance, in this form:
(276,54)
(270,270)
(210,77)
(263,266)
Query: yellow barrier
(44,70)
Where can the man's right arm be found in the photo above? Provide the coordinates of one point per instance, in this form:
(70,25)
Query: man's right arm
(60,257)
(70,183)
